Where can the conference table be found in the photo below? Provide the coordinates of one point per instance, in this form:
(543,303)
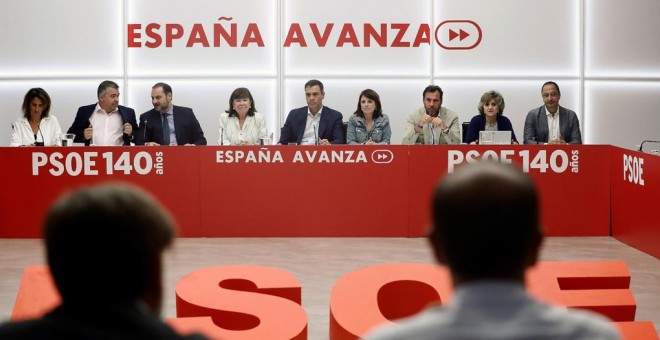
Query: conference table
(334,191)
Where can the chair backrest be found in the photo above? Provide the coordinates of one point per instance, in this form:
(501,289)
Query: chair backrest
(345,127)
(465,127)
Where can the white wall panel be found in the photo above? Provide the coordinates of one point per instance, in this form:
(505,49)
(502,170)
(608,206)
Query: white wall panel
(622,113)
(208,99)
(61,38)
(622,38)
(198,60)
(349,60)
(519,38)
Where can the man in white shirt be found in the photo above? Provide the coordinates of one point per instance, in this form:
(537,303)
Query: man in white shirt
(105,123)
(551,123)
(433,123)
(486,230)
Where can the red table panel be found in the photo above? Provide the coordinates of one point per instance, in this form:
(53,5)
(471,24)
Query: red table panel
(635,189)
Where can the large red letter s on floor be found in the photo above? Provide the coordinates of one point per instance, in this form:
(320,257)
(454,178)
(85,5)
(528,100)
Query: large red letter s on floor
(240,302)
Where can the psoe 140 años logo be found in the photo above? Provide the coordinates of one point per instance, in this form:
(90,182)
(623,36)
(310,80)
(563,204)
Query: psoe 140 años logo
(89,163)
(225,32)
(555,161)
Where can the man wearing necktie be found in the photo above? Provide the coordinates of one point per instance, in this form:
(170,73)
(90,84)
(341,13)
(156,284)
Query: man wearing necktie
(168,124)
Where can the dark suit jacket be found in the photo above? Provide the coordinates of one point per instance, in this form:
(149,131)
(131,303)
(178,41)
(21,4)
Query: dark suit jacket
(330,127)
(81,122)
(186,127)
(478,123)
(536,126)
(121,321)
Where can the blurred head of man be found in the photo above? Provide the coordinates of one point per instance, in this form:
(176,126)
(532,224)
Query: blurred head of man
(432,96)
(108,94)
(314,95)
(104,246)
(161,97)
(485,223)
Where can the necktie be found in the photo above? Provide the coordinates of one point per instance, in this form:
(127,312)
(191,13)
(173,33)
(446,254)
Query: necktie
(166,130)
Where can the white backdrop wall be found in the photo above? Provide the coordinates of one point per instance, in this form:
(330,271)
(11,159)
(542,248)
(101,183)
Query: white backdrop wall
(603,53)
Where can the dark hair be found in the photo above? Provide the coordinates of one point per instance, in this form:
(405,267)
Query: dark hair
(241,93)
(108,239)
(432,88)
(373,95)
(166,88)
(104,86)
(32,93)
(486,221)
(487,97)
(551,83)
(314,82)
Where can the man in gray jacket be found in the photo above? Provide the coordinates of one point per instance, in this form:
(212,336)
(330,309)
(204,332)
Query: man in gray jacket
(551,123)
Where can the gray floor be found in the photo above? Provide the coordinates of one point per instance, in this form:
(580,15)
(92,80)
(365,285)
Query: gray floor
(319,262)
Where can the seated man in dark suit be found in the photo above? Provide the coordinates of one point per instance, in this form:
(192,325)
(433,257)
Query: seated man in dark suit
(313,124)
(168,124)
(104,247)
(486,230)
(551,123)
(114,124)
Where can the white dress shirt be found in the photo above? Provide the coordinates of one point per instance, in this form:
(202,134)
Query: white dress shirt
(108,128)
(311,128)
(553,125)
(498,310)
(231,133)
(49,132)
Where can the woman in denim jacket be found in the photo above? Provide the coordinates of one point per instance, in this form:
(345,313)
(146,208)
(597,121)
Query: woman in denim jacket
(368,125)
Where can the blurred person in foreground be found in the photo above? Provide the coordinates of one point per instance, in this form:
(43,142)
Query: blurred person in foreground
(486,230)
(104,248)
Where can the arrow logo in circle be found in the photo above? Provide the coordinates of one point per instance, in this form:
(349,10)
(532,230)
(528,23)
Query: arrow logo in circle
(461,35)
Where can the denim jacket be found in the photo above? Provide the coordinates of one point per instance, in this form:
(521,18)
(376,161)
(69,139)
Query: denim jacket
(357,130)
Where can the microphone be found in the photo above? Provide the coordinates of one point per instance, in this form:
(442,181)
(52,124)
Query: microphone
(144,132)
(43,141)
(316,137)
(650,141)
(222,136)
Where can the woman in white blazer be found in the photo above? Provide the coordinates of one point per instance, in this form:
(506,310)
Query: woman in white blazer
(241,124)
(36,126)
